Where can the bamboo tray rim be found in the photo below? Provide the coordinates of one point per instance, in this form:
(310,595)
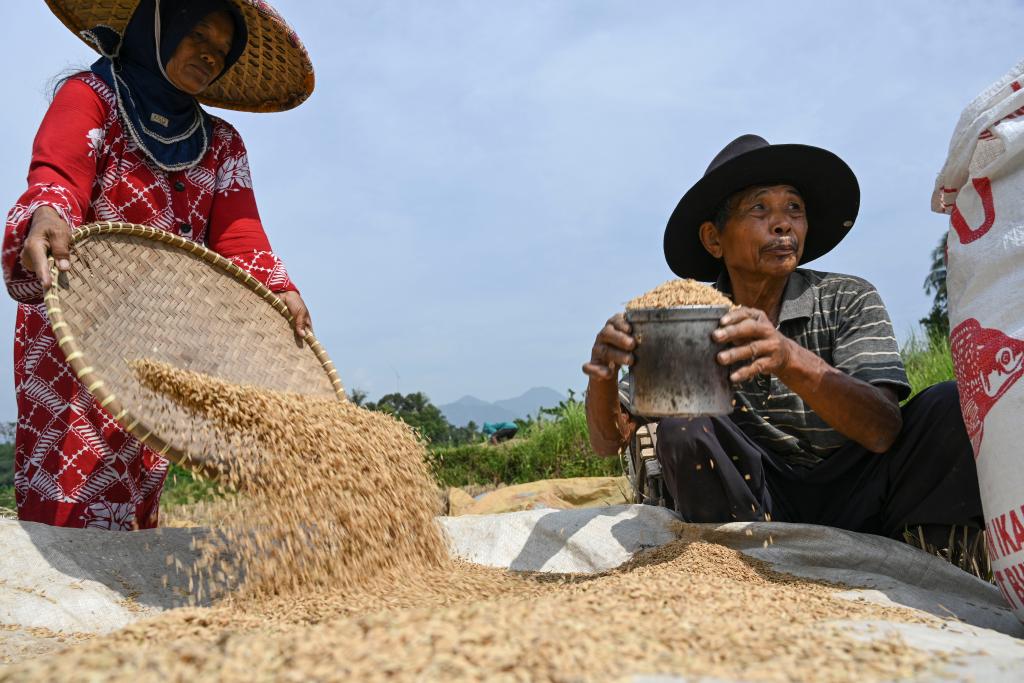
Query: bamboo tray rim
(92,379)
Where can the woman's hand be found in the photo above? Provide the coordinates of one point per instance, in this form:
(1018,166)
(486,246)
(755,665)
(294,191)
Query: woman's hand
(301,322)
(755,339)
(612,349)
(48,234)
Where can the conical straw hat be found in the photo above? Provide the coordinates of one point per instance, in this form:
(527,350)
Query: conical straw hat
(273,74)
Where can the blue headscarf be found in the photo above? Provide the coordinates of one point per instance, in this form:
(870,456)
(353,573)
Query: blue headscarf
(166,123)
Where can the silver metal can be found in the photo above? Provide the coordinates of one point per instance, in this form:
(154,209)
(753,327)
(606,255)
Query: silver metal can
(675,372)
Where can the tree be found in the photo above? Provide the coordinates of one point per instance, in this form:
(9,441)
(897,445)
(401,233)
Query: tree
(357,397)
(418,412)
(462,435)
(936,324)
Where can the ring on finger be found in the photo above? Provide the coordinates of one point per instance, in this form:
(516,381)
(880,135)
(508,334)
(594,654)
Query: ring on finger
(753,352)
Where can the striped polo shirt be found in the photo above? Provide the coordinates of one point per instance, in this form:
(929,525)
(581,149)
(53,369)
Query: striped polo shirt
(842,319)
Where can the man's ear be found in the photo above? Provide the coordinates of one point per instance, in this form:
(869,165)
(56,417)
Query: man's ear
(709,238)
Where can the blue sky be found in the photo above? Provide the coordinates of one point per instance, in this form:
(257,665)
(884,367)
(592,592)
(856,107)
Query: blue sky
(475,187)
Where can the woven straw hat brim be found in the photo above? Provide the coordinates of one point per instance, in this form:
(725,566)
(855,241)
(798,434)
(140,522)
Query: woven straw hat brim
(274,72)
(827,184)
(136,293)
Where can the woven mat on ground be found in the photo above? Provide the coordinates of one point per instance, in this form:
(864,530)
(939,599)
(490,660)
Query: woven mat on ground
(55,582)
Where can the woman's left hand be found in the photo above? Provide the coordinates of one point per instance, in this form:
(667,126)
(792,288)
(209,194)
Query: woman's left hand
(301,321)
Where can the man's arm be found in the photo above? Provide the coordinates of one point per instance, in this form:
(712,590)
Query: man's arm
(609,426)
(867,414)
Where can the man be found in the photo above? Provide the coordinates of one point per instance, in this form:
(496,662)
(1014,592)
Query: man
(817,435)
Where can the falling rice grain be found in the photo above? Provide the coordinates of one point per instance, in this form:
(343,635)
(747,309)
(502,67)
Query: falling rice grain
(331,567)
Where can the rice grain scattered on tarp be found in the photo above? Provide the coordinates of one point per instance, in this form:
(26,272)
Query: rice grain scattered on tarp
(332,567)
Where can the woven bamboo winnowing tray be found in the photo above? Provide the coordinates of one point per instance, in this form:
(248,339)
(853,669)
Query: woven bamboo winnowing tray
(140,293)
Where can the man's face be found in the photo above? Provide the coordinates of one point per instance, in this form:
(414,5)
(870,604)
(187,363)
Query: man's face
(764,234)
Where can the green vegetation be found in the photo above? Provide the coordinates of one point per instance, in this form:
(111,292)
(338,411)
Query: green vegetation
(6,477)
(927,360)
(418,412)
(184,488)
(936,323)
(552,445)
(555,444)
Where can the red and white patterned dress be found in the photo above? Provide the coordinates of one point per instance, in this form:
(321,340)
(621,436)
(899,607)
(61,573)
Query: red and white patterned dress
(74,465)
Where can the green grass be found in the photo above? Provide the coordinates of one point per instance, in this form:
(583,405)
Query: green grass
(184,488)
(7,476)
(545,449)
(927,360)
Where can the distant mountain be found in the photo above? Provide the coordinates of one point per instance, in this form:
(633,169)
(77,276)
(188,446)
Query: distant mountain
(468,408)
(531,401)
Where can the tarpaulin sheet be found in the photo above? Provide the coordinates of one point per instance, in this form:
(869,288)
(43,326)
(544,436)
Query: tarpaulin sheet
(87,581)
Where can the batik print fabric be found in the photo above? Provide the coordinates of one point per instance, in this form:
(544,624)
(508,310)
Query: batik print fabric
(74,465)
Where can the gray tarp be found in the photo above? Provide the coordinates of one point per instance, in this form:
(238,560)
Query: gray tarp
(66,580)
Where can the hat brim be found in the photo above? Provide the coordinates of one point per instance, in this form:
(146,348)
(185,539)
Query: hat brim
(826,183)
(274,72)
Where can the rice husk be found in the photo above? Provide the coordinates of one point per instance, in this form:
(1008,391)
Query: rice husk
(333,495)
(329,566)
(679,292)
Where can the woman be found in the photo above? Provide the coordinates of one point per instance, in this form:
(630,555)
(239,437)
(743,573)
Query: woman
(128,141)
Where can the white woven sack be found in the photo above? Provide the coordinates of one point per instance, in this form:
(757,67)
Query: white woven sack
(981,187)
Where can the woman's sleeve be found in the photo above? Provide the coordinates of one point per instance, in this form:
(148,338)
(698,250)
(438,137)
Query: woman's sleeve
(236,231)
(61,175)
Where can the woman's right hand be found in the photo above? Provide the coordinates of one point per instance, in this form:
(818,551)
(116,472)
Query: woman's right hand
(48,234)
(612,349)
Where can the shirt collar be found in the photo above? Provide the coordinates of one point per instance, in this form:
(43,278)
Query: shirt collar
(797,298)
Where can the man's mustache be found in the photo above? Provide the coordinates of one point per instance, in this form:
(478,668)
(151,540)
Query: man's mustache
(782,243)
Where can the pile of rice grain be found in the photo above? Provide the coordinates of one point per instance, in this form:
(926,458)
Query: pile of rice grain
(336,571)
(679,292)
(333,496)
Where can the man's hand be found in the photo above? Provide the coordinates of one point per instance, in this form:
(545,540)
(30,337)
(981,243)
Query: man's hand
(301,321)
(612,349)
(867,414)
(48,234)
(754,339)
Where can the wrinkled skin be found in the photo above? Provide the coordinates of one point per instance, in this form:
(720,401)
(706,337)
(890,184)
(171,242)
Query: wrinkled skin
(199,57)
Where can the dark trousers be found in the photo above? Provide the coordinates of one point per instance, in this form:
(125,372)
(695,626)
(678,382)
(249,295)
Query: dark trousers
(503,434)
(716,473)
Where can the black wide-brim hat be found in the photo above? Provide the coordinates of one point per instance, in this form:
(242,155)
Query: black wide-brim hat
(828,186)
